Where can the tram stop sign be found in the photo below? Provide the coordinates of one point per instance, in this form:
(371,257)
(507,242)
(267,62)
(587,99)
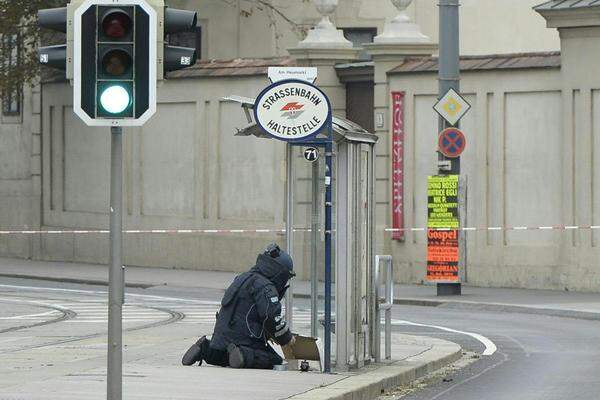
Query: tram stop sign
(452,143)
(292,110)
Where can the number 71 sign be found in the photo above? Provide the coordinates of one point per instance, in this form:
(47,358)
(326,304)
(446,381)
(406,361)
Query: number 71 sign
(311,154)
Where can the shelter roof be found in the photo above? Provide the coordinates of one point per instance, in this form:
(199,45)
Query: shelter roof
(567,4)
(485,62)
(343,128)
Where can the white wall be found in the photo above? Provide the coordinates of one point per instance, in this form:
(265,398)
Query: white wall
(184,169)
(529,162)
(243,28)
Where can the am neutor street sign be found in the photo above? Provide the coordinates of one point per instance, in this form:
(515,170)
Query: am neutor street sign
(292,110)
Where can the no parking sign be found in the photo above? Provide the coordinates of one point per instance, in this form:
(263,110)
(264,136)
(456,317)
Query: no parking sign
(452,142)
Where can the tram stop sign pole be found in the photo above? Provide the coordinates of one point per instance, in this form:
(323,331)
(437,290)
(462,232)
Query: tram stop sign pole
(296,111)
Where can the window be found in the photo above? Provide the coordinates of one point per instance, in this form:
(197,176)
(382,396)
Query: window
(11,99)
(188,39)
(360,36)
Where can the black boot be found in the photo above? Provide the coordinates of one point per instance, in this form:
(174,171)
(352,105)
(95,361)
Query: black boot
(236,357)
(194,353)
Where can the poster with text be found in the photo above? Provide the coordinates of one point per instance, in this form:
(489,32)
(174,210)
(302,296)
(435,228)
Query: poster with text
(442,232)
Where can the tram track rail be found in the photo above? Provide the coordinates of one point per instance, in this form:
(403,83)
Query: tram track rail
(67,314)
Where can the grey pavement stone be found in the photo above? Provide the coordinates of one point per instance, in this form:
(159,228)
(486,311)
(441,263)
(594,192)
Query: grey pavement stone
(43,363)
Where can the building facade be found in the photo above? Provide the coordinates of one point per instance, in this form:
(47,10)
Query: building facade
(530,158)
(255,29)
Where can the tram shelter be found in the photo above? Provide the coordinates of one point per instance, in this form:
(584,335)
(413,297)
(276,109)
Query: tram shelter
(353,183)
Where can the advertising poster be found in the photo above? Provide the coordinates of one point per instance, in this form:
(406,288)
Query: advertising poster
(398,166)
(442,232)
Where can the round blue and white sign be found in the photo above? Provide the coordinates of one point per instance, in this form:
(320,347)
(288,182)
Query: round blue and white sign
(292,110)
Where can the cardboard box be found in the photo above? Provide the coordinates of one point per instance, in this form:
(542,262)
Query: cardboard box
(305,348)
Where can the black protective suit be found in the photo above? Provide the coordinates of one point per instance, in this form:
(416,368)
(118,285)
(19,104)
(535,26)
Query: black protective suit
(251,314)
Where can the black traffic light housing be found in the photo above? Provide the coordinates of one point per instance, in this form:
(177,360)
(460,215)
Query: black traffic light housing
(115,63)
(176,57)
(115,53)
(54,19)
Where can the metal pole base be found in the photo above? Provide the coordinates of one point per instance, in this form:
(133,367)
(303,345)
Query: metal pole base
(449,289)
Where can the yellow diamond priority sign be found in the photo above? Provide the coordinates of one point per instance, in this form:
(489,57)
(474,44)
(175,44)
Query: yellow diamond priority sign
(452,107)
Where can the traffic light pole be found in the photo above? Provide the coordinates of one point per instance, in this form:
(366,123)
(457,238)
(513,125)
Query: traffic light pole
(116,292)
(449,78)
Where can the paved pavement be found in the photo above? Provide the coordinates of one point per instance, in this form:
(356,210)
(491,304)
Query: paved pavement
(557,303)
(537,355)
(53,341)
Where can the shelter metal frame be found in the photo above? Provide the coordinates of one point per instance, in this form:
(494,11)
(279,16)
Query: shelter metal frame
(346,134)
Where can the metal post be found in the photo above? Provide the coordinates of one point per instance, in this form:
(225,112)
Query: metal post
(328,240)
(449,68)
(449,78)
(314,235)
(289,227)
(389,303)
(386,306)
(377,322)
(116,272)
(343,253)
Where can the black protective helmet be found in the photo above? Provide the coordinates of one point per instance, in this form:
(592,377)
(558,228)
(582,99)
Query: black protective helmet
(274,251)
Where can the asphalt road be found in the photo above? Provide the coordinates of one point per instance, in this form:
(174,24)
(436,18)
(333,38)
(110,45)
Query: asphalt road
(537,357)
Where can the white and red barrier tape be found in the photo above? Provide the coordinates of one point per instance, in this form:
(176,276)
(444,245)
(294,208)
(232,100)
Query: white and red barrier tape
(234,231)
(501,228)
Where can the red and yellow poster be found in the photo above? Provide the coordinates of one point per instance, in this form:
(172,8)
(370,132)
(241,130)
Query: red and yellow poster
(442,232)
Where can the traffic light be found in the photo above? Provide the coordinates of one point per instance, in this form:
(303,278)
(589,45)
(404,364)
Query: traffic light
(115,83)
(54,19)
(115,62)
(176,21)
(116,51)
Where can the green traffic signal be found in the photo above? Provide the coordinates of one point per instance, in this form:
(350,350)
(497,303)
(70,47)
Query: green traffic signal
(115,100)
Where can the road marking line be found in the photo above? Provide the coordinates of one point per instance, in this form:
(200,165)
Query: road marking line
(490,347)
(31,316)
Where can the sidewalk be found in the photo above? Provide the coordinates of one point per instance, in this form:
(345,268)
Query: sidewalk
(548,302)
(160,376)
(543,302)
(153,376)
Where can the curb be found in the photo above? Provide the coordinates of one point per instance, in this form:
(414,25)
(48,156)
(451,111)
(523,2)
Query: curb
(502,307)
(467,305)
(371,384)
(75,280)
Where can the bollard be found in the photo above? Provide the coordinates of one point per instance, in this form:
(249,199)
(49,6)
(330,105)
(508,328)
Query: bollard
(384,304)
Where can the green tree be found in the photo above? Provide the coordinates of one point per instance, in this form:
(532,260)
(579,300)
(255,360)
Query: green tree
(19,39)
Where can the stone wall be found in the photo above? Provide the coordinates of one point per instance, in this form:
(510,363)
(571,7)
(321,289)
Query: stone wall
(20,173)
(244,28)
(184,169)
(529,162)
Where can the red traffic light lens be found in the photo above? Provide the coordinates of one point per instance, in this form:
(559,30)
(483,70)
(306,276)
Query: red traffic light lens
(116,24)
(116,62)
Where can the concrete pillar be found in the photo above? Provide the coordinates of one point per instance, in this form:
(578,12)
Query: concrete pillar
(324,47)
(579,29)
(400,39)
